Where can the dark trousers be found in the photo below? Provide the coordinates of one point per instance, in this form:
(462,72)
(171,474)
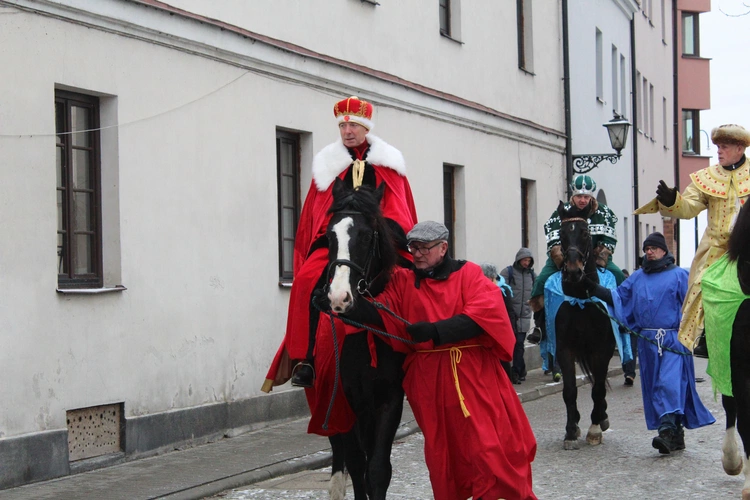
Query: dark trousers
(519,365)
(628,369)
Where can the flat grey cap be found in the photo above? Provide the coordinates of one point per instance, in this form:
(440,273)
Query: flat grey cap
(428,231)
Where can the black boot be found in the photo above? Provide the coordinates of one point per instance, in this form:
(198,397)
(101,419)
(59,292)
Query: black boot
(303,374)
(667,441)
(700,349)
(535,336)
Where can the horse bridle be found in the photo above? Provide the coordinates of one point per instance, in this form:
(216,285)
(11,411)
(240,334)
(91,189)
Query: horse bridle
(584,256)
(363,285)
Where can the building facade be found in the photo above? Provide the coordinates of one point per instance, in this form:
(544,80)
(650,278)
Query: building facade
(169,146)
(693,96)
(601,63)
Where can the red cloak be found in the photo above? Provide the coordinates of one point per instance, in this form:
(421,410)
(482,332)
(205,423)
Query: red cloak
(487,453)
(397,204)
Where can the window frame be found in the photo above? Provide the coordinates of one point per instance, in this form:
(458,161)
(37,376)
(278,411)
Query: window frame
(695,129)
(449,206)
(525,35)
(67,255)
(286,276)
(599,65)
(695,35)
(444,6)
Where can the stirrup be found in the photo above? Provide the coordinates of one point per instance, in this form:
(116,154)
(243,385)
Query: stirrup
(298,380)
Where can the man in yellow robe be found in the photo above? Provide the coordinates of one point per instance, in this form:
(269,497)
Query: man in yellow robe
(721,189)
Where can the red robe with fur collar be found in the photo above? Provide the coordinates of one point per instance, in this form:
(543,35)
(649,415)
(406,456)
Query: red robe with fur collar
(397,204)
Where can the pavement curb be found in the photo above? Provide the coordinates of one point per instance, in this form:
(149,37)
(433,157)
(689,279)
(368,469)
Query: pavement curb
(323,459)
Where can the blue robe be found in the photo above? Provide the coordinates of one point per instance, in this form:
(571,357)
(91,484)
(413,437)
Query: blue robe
(553,299)
(651,305)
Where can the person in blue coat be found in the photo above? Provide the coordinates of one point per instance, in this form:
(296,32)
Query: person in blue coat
(650,304)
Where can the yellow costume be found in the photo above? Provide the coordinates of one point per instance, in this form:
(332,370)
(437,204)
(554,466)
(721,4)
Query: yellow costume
(722,192)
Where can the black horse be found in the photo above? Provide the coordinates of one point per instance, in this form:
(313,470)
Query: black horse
(362,253)
(582,334)
(737,406)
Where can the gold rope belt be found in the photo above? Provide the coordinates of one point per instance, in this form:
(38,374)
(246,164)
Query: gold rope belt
(455,360)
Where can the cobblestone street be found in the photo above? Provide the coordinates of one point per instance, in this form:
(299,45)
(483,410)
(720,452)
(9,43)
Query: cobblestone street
(625,466)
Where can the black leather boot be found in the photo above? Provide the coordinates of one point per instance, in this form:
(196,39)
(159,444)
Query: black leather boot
(303,375)
(668,441)
(700,349)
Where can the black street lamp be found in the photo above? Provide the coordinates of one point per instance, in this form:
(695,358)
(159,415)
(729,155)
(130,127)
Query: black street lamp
(617,128)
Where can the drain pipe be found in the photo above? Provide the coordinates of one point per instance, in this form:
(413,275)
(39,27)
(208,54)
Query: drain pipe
(677,146)
(566,90)
(636,203)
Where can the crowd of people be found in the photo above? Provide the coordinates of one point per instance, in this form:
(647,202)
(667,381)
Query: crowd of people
(469,323)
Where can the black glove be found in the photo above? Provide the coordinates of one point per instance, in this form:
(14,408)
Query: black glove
(422,331)
(320,298)
(364,312)
(667,196)
(598,291)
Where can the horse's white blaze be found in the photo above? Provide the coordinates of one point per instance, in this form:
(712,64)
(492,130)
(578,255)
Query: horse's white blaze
(337,486)
(731,460)
(340,290)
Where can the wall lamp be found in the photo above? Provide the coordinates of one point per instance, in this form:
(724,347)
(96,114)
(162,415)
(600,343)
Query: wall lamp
(617,128)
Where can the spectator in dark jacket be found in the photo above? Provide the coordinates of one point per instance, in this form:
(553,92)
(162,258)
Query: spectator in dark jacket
(490,271)
(520,277)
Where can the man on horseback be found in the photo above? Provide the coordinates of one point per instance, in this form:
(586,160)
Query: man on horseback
(359,158)
(649,303)
(604,240)
(722,190)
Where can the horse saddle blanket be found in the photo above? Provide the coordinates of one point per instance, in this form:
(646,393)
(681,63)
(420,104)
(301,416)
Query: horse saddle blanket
(554,298)
(722,298)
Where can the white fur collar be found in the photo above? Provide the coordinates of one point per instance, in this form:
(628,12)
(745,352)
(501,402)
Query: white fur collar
(334,159)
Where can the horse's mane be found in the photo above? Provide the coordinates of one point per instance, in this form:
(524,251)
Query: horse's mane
(738,247)
(363,199)
(366,200)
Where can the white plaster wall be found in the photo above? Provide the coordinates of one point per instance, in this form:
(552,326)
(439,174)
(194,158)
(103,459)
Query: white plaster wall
(403,38)
(195,157)
(656,157)
(588,113)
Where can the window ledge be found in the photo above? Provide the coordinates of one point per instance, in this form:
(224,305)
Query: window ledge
(694,56)
(445,35)
(530,73)
(601,101)
(285,284)
(90,291)
(372,2)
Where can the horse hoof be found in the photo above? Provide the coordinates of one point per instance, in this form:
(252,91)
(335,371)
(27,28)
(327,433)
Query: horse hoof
(604,424)
(594,439)
(337,486)
(571,445)
(733,469)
